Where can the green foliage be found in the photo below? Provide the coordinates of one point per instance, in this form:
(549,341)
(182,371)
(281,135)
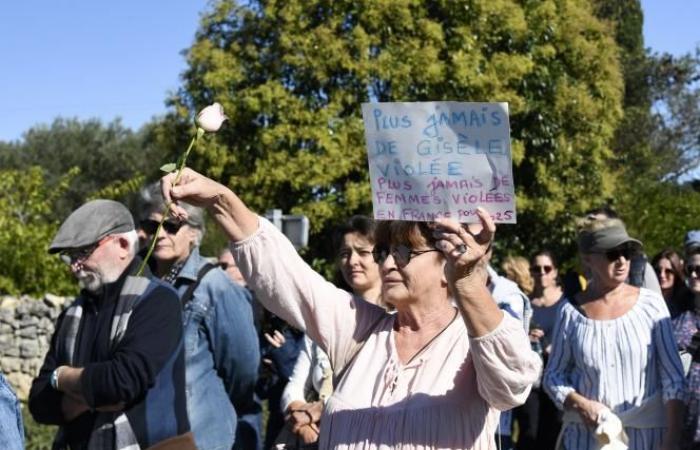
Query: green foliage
(27,225)
(292,74)
(36,436)
(46,176)
(113,160)
(661,214)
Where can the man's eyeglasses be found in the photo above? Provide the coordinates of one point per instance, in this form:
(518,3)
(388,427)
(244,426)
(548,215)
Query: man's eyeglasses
(692,270)
(626,251)
(541,269)
(151,226)
(402,254)
(72,256)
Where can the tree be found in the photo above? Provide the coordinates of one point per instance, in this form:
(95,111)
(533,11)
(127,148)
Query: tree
(292,75)
(676,95)
(111,159)
(27,227)
(658,139)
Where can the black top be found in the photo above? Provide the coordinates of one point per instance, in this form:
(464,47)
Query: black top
(150,353)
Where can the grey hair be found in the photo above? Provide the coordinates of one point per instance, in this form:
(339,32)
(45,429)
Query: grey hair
(151,201)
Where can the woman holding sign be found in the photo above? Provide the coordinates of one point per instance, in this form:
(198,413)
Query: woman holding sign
(432,375)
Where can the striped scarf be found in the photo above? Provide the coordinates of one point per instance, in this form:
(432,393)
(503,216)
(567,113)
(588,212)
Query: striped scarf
(112,430)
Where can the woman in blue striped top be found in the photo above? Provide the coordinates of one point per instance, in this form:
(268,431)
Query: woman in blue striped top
(614,348)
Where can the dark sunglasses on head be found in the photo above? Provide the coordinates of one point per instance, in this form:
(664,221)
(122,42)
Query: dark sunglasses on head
(624,250)
(402,254)
(692,269)
(151,226)
(541,269)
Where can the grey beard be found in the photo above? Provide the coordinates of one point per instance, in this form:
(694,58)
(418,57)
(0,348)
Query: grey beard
(93,281)
(90,281)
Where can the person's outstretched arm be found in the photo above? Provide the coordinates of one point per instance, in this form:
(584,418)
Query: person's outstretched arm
(229,211)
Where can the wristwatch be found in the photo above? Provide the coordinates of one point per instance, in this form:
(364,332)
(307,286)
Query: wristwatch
(54,378)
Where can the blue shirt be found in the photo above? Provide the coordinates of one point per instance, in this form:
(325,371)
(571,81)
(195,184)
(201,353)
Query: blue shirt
(619,362)
(222,354)
(11,429)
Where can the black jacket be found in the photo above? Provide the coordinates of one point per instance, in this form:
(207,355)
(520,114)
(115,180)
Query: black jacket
(147,361)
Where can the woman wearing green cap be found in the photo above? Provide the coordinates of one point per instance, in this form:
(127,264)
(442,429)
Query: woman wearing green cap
(614,354)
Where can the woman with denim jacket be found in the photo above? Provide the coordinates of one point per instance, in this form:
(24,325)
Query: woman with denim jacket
(222,353)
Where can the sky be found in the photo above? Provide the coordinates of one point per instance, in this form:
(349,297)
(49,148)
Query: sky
(85,59)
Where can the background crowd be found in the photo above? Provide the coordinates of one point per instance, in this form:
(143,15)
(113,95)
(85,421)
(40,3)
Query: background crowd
(595,119)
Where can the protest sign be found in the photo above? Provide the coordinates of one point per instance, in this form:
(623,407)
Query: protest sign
(439,159)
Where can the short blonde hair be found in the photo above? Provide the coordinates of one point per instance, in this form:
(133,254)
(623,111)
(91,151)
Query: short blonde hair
(517,269)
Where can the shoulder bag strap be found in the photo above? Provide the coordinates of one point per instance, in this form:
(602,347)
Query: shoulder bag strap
(187,296)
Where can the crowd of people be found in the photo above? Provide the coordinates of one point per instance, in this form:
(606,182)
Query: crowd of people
(418,343)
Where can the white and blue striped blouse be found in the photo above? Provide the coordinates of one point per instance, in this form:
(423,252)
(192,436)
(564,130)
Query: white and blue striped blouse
(619,363)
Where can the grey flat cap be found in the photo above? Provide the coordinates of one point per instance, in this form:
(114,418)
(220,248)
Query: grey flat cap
(90,223)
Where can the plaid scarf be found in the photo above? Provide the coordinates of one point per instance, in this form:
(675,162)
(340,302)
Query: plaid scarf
(111,431)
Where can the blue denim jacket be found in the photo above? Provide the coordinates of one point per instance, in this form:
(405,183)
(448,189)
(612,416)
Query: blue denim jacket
(221,351)
(11,429)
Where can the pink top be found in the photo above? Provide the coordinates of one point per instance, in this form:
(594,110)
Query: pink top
(447,397)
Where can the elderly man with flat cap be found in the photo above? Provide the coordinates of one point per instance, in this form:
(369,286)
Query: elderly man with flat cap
(114,375)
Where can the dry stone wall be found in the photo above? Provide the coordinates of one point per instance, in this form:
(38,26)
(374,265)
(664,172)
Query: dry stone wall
(26,326)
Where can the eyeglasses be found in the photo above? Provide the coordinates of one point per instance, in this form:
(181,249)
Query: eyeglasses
(75,255)
(151,226)
(402,254)
(626,251)
(692,269)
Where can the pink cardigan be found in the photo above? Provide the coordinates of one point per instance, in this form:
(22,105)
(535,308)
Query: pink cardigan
(447,397)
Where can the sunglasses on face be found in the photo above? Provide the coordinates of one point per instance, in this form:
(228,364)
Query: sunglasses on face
(75,255)
(151,226)
(660,271)
(541,269)
(626,251)
(692,270)
(402,254)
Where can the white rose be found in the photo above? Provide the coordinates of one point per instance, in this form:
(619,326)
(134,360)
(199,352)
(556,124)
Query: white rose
(210,118)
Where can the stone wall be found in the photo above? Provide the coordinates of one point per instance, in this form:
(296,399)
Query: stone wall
(26,326)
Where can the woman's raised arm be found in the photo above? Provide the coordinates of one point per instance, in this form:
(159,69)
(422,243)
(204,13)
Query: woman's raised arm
(229,211)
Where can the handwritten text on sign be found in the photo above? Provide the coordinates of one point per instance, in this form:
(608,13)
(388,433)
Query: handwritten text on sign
(439,159)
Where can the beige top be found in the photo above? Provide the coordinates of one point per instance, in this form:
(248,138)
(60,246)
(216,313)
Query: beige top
(447,397)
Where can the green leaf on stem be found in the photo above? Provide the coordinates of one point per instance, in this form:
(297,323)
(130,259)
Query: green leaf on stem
(168,168)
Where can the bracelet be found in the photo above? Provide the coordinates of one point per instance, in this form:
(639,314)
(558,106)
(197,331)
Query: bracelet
(54,378)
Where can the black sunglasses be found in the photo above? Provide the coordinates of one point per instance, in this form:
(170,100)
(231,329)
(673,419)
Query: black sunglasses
(540,269)
(692,269)
(625,250)
(402,254)
(151,226)
(666,271)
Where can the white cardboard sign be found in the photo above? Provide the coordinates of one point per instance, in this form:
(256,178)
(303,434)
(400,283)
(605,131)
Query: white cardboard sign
(439,159)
